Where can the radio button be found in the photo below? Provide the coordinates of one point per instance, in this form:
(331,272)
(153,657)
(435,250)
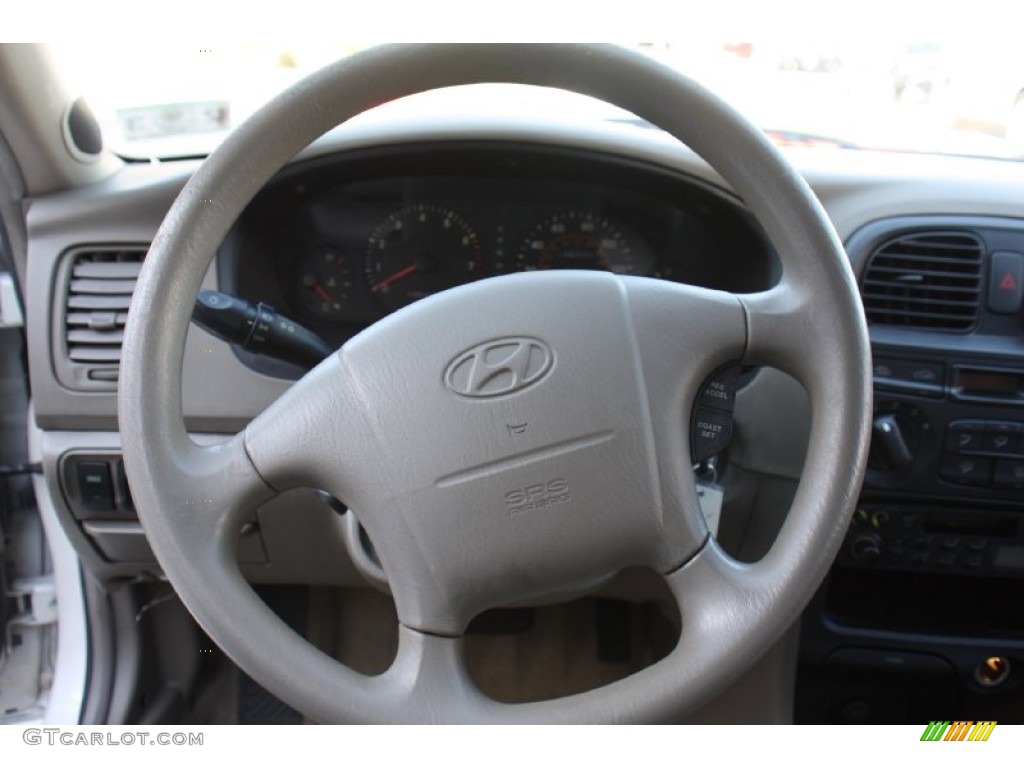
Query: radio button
(908,521)
(967,470)
(1009,475)
(879,519)
(919,558)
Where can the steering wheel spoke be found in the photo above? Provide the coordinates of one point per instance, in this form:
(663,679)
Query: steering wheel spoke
(316,435)
(726,610)
(781,328)
(683,334)
(215,489)
(220,482)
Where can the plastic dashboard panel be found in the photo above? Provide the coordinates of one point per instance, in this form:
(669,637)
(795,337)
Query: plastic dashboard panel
(221,393)
(127,209)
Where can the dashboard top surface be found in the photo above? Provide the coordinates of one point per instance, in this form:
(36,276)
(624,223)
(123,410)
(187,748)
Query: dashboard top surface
(651,197)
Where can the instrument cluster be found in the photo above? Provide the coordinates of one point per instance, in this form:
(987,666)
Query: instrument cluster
(340,245)
(384,261)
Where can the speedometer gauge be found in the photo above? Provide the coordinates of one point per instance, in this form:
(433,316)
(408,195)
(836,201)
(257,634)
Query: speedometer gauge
(420,250)
(582,240)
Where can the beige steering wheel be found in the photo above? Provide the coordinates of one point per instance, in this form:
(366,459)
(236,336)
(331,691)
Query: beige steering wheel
(387,424)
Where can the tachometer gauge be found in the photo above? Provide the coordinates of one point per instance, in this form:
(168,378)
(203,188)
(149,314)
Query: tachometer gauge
(325,280)
(582,240)
(420,250)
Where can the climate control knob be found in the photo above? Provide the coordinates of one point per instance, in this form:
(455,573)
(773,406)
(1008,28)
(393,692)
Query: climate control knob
(866,549)
(900,442)
(889,443)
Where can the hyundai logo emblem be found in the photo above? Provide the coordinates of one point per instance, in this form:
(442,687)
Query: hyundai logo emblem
(499,367)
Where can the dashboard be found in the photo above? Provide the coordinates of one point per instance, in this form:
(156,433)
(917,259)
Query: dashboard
(370,219)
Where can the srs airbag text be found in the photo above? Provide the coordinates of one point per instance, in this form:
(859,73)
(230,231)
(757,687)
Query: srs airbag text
(538,496)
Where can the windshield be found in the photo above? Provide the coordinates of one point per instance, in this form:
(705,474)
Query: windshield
(918,83)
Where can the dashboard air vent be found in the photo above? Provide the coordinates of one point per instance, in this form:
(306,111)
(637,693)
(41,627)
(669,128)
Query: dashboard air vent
(100,285)
(926,280)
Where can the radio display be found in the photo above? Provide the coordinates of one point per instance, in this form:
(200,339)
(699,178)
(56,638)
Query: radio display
(985,383)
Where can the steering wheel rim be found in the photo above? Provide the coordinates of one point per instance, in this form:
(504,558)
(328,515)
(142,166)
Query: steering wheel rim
(193,499)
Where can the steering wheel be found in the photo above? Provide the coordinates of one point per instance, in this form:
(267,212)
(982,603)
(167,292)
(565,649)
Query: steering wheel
(408,422)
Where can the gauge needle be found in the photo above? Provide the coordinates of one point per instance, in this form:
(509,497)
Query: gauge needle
(397,276)
(319,291)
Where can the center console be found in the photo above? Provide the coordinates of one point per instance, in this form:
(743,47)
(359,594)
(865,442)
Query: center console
(921,617)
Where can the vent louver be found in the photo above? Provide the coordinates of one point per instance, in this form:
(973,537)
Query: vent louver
(925,280)
(99,291)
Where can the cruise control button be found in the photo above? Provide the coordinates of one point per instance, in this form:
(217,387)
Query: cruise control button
(720,391)
(712,431)
(966,470)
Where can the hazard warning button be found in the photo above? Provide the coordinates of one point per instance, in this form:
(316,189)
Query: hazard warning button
(1005,282)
